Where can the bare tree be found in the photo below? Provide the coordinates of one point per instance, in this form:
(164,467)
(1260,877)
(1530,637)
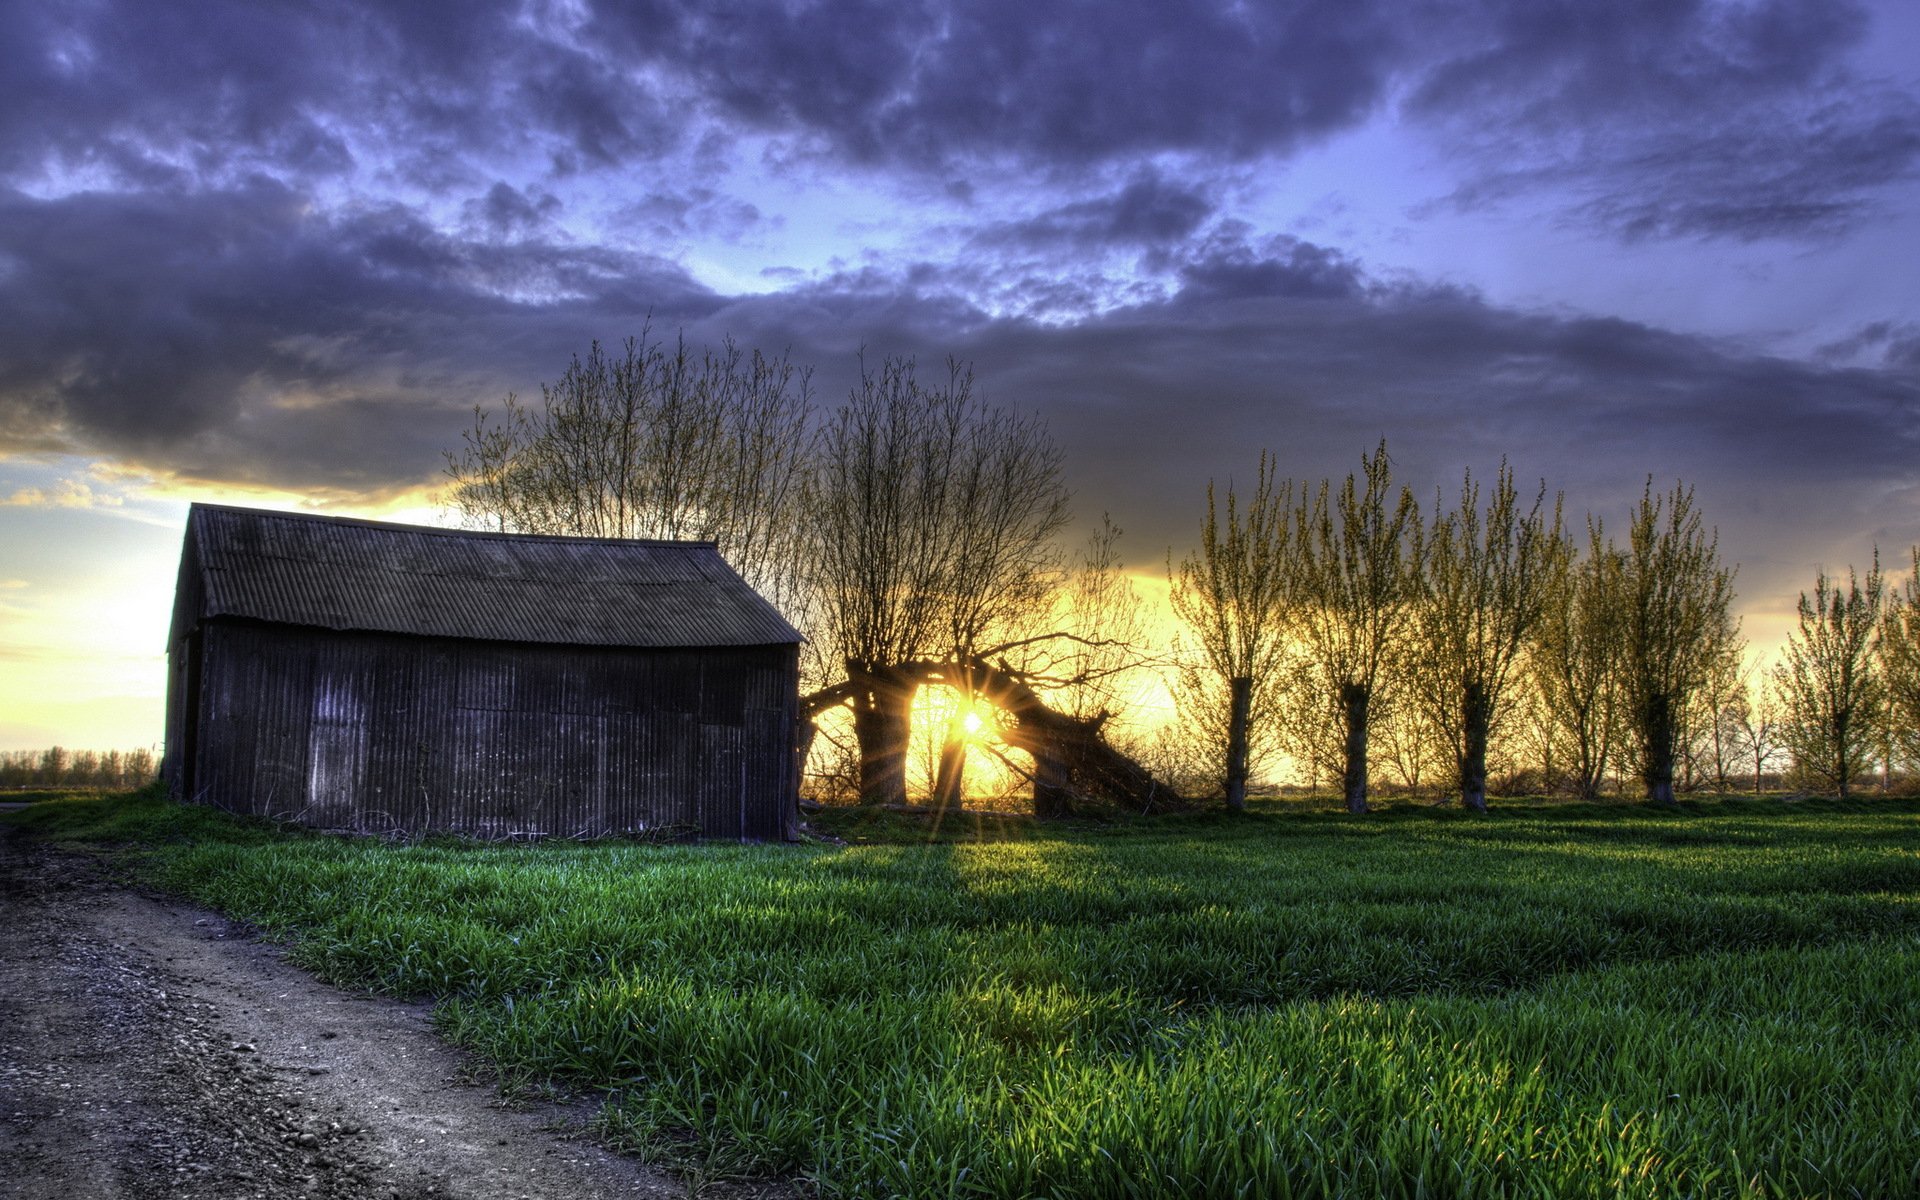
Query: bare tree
(1676,620)
(1108,643)
(1232,595)
(1829,681)
(933,518)
(652,442)
(1574,661)
(1358,552)
(1485,586)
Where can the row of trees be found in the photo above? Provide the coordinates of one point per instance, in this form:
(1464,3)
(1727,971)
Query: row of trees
(57,766)
(914,534)
(1321,616)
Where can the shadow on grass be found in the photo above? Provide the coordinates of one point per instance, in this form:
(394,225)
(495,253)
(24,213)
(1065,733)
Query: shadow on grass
(1692,821)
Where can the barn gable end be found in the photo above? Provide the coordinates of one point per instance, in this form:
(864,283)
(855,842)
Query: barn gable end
(383,678)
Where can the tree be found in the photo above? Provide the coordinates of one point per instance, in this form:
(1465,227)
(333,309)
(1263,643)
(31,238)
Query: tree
(1676,619)
(1405,741)
(1829,679)
(1900,663)
(932,518)
(140,766)
(1358,557)
(1106,624)
(1754,723)
(1721,705)
(1232,595)
(653,443)
(1575,656)
(1095,639)
(1484,588)
(85,769)
(55,762)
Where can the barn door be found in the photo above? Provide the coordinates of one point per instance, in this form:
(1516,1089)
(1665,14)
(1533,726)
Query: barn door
(337,752)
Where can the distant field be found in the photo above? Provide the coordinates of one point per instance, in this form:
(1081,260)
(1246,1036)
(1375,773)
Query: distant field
(1565,1001)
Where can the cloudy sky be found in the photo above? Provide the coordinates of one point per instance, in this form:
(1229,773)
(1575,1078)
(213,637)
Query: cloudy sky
(274,253)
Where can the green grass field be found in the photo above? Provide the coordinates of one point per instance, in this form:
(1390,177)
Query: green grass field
(1559,1001)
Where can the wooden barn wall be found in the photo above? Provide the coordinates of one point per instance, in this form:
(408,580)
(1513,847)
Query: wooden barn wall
(182,661)
(378,733)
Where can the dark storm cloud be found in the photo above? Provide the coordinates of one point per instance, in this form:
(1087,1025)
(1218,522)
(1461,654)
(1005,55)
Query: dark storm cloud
(1228,268)
(506,210)
(1892,344)
(1153,400)
(238,335)
(673,213)
(1697,118)
(155,94)
(1662,118)
(202,87)
(1074,81)
(1149,211)
(1787,173)
(1903,352)
(241,336)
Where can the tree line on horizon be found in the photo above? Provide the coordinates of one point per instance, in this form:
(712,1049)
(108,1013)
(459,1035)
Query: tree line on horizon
(57,767)
(914,534)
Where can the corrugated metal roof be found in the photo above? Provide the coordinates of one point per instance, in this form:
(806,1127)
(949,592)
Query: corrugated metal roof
(341,573)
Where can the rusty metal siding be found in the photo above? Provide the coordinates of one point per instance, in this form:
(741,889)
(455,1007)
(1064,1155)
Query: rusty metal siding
(382,732)
(337,573)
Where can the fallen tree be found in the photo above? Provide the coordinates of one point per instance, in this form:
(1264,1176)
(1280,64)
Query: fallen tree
(1076,769)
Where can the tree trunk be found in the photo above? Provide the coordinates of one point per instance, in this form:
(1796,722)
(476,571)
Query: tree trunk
(882,725)
(1072,760)
(1476,716)
(1353,781)
(1237,720)
(1052,783)
(1842,753)
(950,780)
(1590,765)
(1656,746)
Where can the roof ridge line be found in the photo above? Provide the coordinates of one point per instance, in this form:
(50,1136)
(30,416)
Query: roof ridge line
(201,506)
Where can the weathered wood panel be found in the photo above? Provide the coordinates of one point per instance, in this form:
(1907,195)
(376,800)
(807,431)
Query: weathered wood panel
(387,732)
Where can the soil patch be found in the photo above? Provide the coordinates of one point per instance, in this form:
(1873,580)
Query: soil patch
(148,1048)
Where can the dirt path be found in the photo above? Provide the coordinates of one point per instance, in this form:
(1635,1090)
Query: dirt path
(149,1049)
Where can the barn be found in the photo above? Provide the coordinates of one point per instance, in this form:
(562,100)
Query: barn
(383,678)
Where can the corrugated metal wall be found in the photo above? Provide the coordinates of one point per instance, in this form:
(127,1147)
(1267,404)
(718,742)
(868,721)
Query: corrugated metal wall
(383,732)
